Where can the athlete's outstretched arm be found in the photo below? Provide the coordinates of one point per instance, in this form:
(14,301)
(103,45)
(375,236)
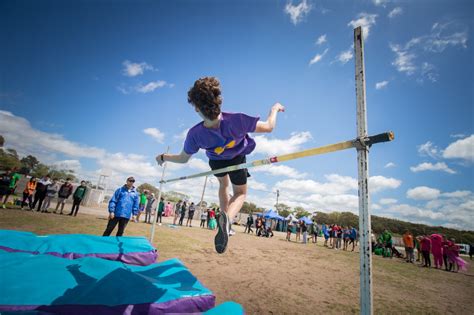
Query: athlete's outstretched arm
(269,124)
(183,157)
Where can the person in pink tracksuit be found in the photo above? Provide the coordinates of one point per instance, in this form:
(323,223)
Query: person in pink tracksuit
(436,250)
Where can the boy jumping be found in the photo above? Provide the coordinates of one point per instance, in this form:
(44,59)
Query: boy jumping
(225,138)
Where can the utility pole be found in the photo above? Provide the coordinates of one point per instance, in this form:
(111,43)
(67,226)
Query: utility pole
(278,195)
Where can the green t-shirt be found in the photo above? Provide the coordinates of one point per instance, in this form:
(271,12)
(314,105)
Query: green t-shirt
(15,177)
(142,199)
(161,206)
(80,192)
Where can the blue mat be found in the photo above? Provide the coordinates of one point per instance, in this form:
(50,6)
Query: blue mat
(49,284)
(127,249)
(226,308)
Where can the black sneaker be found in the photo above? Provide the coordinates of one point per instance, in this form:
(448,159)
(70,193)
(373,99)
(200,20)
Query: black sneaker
(222,236)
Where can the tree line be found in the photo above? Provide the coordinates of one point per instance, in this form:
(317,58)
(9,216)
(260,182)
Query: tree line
(30,165)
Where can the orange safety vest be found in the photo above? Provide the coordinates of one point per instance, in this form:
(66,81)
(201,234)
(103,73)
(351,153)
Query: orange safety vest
(30,188)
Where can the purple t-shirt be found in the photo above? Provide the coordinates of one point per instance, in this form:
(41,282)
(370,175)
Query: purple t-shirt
(227,141)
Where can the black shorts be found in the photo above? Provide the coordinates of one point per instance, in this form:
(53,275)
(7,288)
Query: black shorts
(238,177)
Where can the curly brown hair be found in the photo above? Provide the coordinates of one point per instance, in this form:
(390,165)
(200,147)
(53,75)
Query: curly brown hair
(206,96)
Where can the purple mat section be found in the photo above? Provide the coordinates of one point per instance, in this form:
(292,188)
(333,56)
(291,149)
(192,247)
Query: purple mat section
(137,258)
(189,305)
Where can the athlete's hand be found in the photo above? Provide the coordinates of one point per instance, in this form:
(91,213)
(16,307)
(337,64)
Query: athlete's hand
(278,107)
(111,215)
(160,160)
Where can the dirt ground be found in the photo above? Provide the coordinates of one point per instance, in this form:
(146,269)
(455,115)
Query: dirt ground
(273,276)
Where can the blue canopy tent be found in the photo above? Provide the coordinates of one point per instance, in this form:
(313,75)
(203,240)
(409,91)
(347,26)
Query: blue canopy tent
(273,215)
(306,220)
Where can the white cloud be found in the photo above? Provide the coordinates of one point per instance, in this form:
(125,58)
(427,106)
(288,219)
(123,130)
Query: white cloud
(379,183)
(457,194)
(274,147)
(423,193)
(411,212)
(395,12)
(256,185)
(132,69)
(380,2)
(440,166)
(452,209)
(280,170)
(429,149)
(428,71)
(366,21)
(404,60)
(308,186)
(345,56)
(19,134)
(337,184)
(297,12)
(389,165)
(130,164)
(150,87)
(388,201)
(381,85)
(181,136)
(318,57)
(321,40)
(458,135)
(74,165)
(461,149)
(155,134)
(441,37)
(198,164)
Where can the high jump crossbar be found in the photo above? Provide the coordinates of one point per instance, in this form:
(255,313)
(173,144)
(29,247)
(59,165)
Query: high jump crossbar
(356,143)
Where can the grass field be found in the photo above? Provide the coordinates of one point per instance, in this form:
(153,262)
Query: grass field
(272,276)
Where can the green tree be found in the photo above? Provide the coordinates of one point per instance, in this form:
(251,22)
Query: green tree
(284,213)
(204,204)
(62,174)
(282,207)
(9,159)
(28,163)
(248,207)
(2,141)
(40,170)
(174,196)
(214,205)
(301,212)
(149,187)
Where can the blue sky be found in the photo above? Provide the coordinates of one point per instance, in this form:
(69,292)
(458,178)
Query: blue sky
(101,87)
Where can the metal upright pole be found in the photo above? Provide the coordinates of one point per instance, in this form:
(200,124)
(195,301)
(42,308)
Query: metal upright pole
(366,300)
(153,225)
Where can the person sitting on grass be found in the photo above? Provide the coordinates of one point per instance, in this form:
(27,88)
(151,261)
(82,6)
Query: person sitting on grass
(225,138)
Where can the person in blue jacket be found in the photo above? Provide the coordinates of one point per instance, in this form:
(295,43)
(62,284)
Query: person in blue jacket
(122,205)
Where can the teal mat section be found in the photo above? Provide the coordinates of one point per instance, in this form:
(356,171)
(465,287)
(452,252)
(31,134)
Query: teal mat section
(226,308)
(73,243)
(28,279)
